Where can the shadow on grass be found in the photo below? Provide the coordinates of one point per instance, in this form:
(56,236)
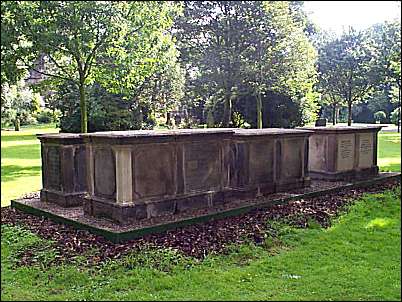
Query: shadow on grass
(31,151)
(390,168)
(12,172)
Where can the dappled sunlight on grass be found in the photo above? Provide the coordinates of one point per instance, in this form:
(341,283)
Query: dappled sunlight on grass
(381,223)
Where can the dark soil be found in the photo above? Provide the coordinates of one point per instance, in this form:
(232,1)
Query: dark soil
(196,240)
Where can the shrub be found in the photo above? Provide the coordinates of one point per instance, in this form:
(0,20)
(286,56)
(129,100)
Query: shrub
(47,116)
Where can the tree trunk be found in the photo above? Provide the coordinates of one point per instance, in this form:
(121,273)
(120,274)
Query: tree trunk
(17,124)
(259,111)
(83,108)
(168,118)
(349,113)
(334,114)
(399,107)
(227,111)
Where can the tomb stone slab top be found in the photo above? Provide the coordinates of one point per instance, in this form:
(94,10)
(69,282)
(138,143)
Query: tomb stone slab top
(137,136)
(343,129)
(271,131)
(61,138)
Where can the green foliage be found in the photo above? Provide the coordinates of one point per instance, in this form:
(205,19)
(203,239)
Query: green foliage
(386,40)
(18,102)
(118,44)
(46,116)
(380,116)
(229,47)
(346,69)
(361,67)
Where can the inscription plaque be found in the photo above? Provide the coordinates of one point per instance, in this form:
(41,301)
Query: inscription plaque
(53,168)
(346,152)
(365,146)
(366,150)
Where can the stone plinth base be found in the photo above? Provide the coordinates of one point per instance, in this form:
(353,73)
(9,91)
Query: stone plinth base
(63,199)
(346,175)
(128,213)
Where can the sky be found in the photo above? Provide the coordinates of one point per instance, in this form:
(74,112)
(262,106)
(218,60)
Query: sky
(332,15)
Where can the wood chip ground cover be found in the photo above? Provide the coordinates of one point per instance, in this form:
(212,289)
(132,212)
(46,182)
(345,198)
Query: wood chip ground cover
(196,241)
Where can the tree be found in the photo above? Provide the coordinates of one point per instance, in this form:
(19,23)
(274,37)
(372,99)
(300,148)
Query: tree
(235,48)
(14,44)
(387,45)
(18,103)
(345,68)
(115,43)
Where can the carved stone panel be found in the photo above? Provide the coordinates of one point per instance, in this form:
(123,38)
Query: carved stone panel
(317,151)
(80,171)
(292,159)
(154,171)
(239,164)
(104,173)
(261,161)
(346,152)
(53,167)
(202,166)
(365,150)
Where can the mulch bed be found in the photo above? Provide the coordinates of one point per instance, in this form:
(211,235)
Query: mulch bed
(196,240)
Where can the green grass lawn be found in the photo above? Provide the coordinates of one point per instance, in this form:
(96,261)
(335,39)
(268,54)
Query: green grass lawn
(356,259)
(389,151)
(20,161)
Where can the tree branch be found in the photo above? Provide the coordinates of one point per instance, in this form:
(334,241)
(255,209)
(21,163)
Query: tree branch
(59,66)
(31,67)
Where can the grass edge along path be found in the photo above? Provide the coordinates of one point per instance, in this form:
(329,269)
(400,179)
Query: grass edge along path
(358,258)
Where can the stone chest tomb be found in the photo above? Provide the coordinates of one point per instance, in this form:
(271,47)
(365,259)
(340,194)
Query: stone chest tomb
(63,169)
(343,152)
(133,175)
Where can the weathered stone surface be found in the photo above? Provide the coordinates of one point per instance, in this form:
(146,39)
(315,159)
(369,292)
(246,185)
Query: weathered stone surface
(132,175)
(154,171)
(366,144)
(343,153)
(63,169)
(202,167)
(104,172)
(291,159)
(261,161)
(346,152)
(53,165)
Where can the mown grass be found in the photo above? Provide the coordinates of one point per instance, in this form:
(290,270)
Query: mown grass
(358,258)
(20,161)
(389,151)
